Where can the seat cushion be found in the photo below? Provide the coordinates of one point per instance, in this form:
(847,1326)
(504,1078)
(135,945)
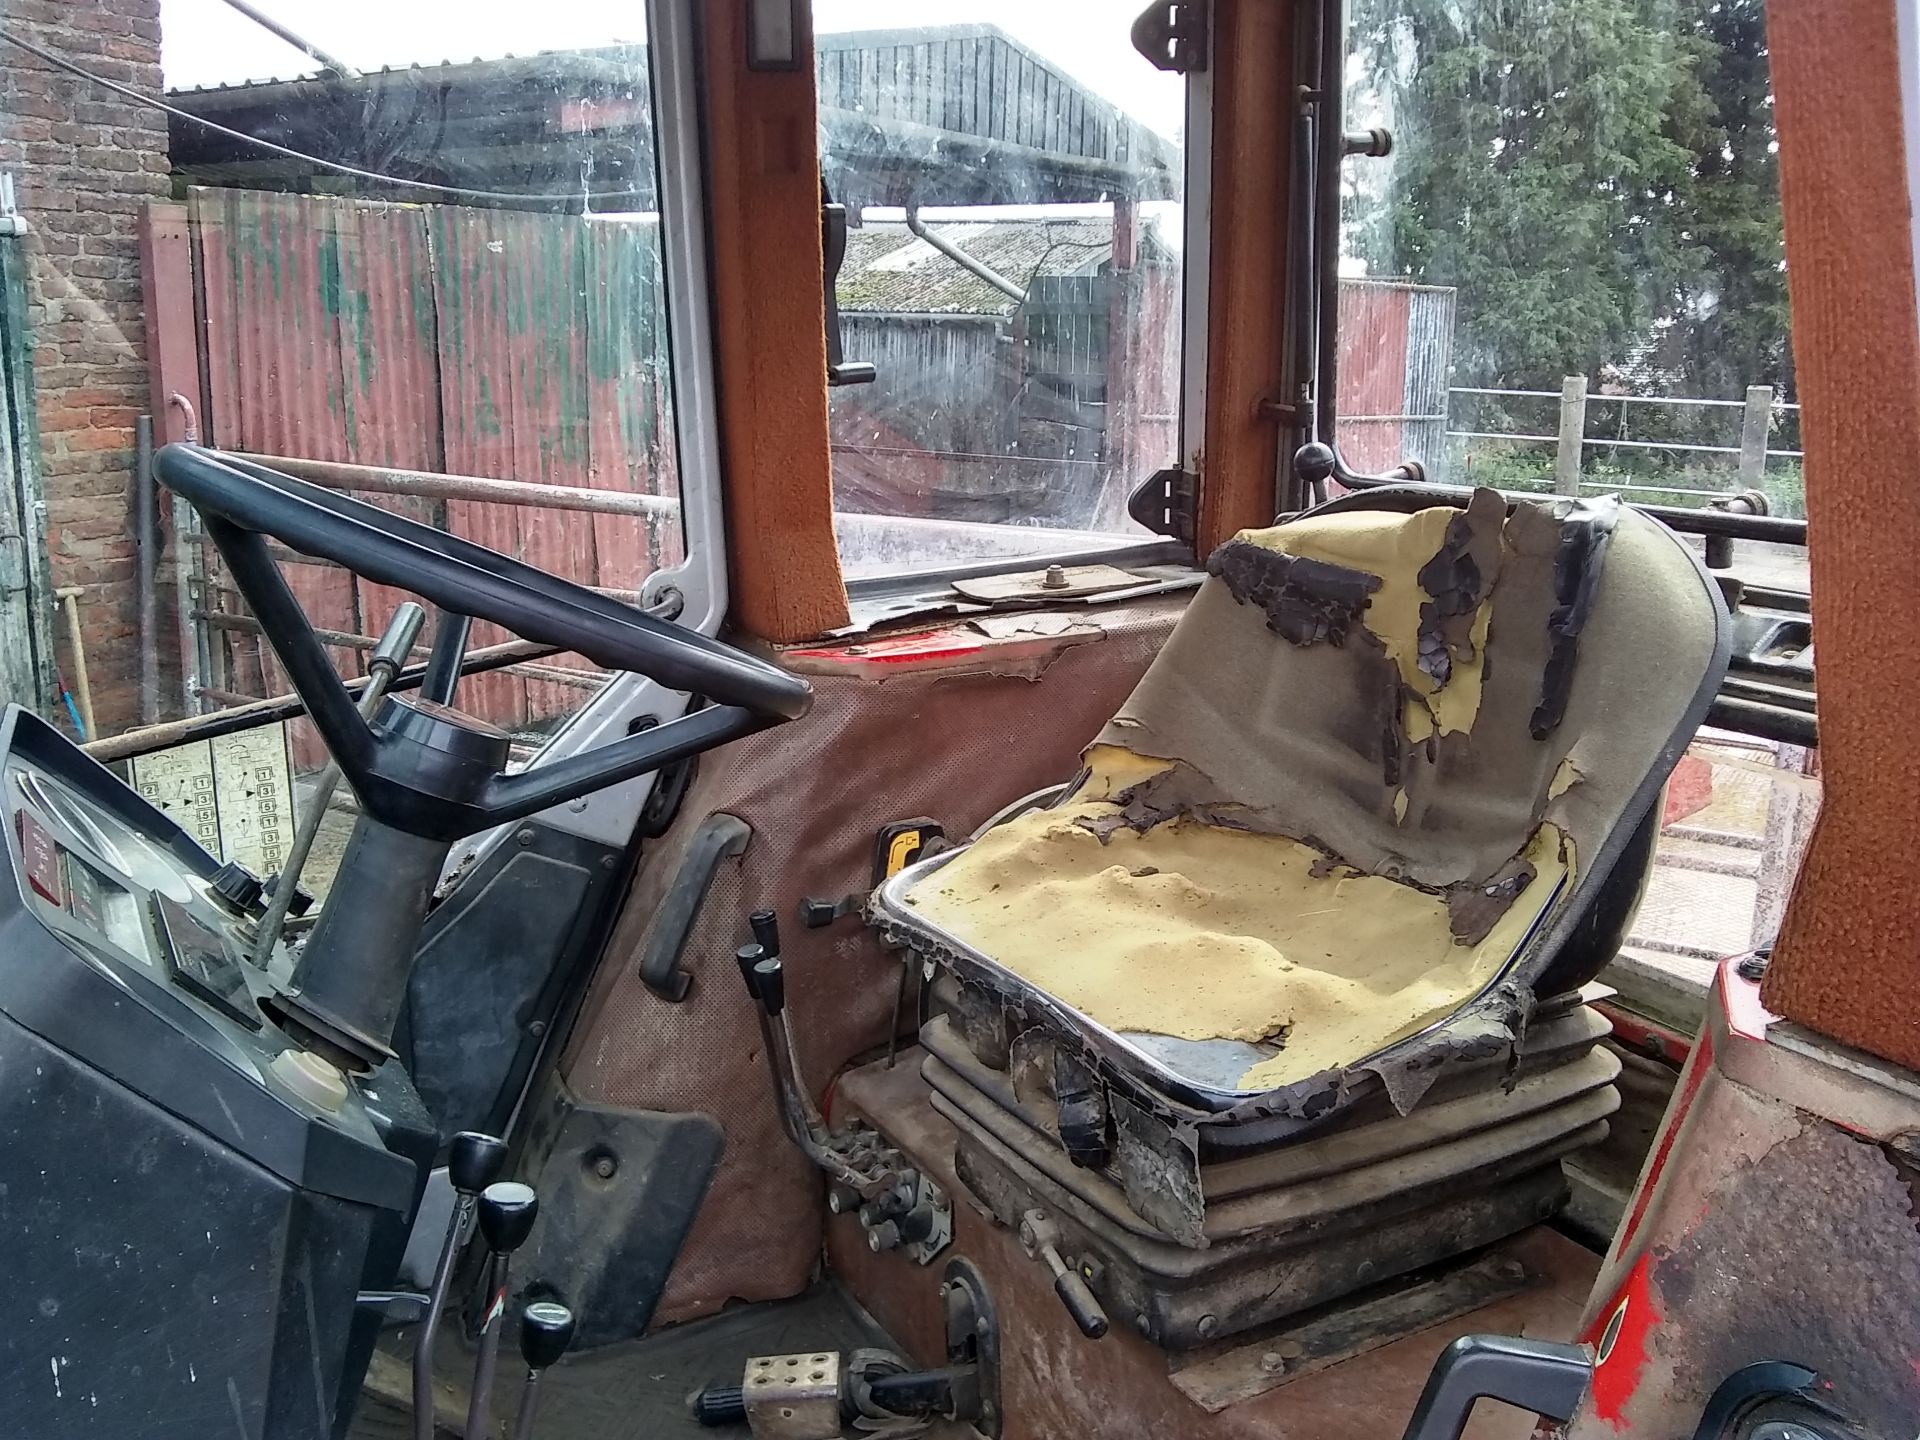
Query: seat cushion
(1376,769)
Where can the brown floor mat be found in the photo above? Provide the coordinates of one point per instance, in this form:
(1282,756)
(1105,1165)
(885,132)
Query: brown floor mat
(639,1388)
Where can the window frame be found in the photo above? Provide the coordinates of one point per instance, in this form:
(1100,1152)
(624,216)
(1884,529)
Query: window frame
(881,592)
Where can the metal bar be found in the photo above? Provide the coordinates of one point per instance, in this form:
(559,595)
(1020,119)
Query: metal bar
(1501,435)
(908,452)
(1704,864)
(295,39)
(1528,394)
(347,640)
(1770,722)
(1627,444)
(293,557)
(1621,399)
(1330,145)
(145,537)
(1686,520)
(1705,836)
(288,707)
(388,480)
(963,260)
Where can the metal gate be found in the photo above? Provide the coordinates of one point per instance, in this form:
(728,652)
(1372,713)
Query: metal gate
(26,640)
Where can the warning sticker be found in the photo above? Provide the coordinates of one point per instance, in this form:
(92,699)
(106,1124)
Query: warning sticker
(233,794)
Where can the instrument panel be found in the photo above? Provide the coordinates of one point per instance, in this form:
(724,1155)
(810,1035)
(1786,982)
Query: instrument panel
(116,947)
(128,898)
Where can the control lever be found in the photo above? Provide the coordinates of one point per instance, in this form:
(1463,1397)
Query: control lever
(863,1172)
(507,1211)
(396,644)
(474,1162)
(1040,1238)
(766,982)
(546,1330)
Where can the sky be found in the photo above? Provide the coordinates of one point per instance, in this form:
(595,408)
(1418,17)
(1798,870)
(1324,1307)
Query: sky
(206,42)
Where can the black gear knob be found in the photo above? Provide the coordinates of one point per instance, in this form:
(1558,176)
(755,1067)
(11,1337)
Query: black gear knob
(507,1211)
(474,1161)
(546,1330)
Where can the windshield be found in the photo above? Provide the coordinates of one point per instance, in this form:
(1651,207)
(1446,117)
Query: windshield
(1568,276)
(1013,178)
(407,252)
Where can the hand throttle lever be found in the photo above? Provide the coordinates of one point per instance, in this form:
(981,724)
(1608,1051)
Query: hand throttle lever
(507,1212)
(474,1162)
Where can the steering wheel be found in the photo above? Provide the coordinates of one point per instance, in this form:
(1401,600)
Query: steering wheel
(419,767)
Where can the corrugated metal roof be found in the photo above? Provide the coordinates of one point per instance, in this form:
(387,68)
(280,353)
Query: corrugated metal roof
(889,269)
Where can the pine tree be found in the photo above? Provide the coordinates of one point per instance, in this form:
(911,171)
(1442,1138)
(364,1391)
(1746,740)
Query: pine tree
(1596,177)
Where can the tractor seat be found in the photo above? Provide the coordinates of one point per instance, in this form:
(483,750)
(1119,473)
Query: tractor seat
(1387,794)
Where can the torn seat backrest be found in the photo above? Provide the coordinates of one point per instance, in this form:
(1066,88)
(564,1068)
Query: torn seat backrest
(1413,688)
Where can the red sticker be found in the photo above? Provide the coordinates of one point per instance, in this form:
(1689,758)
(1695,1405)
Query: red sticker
(42,856)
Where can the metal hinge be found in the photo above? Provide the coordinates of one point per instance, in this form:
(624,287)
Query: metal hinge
(12,222)
(1173,35)
(1164,503)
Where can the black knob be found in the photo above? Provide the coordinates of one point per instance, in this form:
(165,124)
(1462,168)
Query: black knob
(1315,461)
(1077,1296)
(766,930)
(771,980)
(238,888)
(546,1330)
(507,1209)
(748,956)
(474,1161)
(719,1405)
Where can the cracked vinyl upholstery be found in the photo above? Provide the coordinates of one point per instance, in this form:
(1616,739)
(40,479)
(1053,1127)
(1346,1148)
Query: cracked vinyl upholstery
(952,727)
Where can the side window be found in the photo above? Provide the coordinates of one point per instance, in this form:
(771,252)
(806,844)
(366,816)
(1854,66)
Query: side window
(1568,277)
(409,252)
(1014,190)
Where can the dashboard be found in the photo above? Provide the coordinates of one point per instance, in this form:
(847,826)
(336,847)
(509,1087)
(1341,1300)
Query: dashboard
(116,947)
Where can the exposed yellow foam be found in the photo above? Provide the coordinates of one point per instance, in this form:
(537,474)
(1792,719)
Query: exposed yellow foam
(1395,547)
(1203,933)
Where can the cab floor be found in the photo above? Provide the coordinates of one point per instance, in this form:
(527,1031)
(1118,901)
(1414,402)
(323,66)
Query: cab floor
(637,1388)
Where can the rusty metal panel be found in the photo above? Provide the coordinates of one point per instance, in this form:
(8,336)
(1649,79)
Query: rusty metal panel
(506,286)
(1373,367)
(431,338)
(630,422)
(390,383)
(269,278)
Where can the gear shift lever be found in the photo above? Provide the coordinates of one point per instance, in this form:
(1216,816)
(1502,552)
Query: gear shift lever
(473,1162)
(507,1211)
(546,1329)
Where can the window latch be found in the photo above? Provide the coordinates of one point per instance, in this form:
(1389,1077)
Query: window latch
(1164,503)
(1173,35)
(833,245)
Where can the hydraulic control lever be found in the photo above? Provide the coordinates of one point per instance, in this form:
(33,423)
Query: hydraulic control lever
(474,1162)
(546,1330)
(507,1211)
(898,1206)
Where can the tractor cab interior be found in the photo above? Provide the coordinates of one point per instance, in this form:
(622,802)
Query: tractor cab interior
(809,908)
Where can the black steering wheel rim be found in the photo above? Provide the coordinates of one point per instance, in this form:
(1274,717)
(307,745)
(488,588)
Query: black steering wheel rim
(469,579)
(399,783)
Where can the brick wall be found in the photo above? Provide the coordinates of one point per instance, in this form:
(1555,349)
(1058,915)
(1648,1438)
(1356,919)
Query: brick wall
(84,162)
